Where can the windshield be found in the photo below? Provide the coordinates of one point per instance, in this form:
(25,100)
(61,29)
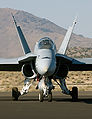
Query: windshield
(45,43)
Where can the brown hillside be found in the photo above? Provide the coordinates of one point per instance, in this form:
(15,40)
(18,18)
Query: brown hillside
(34,28)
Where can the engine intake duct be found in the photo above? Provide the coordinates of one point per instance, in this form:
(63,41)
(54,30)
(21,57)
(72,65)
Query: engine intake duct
(28,71)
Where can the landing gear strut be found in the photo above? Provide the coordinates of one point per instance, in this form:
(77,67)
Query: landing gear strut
(15,93)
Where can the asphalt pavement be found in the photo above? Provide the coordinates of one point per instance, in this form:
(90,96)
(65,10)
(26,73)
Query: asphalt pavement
(62,107)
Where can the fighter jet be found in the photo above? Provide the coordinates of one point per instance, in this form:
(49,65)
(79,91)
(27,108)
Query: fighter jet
(45,65)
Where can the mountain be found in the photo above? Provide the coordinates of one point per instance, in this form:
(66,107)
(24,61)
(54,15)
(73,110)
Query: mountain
(33,28)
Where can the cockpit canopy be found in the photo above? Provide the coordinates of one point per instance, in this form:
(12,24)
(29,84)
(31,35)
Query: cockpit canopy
(46,43)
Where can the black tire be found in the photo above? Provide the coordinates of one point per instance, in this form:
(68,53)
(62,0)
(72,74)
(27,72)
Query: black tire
(15,93)
(41,96)
(50,97)
(74,94)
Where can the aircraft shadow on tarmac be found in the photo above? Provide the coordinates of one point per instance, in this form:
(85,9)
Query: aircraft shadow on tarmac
(87,100)
(80,100)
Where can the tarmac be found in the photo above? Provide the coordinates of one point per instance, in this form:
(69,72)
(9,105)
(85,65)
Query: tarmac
(62,107)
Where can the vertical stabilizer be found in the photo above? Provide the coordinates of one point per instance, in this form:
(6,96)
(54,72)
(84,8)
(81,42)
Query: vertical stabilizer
(23,41)
(64,45)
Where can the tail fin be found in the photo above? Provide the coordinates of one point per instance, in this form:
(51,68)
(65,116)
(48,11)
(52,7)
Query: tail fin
(64,45)
(23,41)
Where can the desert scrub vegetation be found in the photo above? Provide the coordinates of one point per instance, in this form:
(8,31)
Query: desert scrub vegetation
(79,52)
(15,79)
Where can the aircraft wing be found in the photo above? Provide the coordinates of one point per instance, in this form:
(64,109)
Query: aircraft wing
(15,64)
(64,45)
(80,64)
(9,65)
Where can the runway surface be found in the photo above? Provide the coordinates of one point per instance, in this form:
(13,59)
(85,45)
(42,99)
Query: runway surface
(62,107)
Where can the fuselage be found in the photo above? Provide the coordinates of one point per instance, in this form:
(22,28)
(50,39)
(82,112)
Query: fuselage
(46,60)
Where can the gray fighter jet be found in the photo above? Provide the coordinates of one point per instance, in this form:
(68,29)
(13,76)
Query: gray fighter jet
(45,65)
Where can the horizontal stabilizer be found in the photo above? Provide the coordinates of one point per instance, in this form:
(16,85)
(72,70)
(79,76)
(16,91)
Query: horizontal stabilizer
(64,45)
(23,42)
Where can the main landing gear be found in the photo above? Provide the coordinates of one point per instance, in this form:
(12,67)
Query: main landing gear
(15,93)
(74,94)
(65,90)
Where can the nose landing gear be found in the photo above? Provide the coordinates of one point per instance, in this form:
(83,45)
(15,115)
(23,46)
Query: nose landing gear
(41,96)
(50,96)
(45,86)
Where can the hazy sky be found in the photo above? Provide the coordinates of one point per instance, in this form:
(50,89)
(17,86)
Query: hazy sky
(61,12)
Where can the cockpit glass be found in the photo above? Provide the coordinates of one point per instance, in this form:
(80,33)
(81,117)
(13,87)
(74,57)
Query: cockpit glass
(45,44)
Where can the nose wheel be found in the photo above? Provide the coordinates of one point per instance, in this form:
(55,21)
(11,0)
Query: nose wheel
(15,93)
(41,96)
(50,97)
